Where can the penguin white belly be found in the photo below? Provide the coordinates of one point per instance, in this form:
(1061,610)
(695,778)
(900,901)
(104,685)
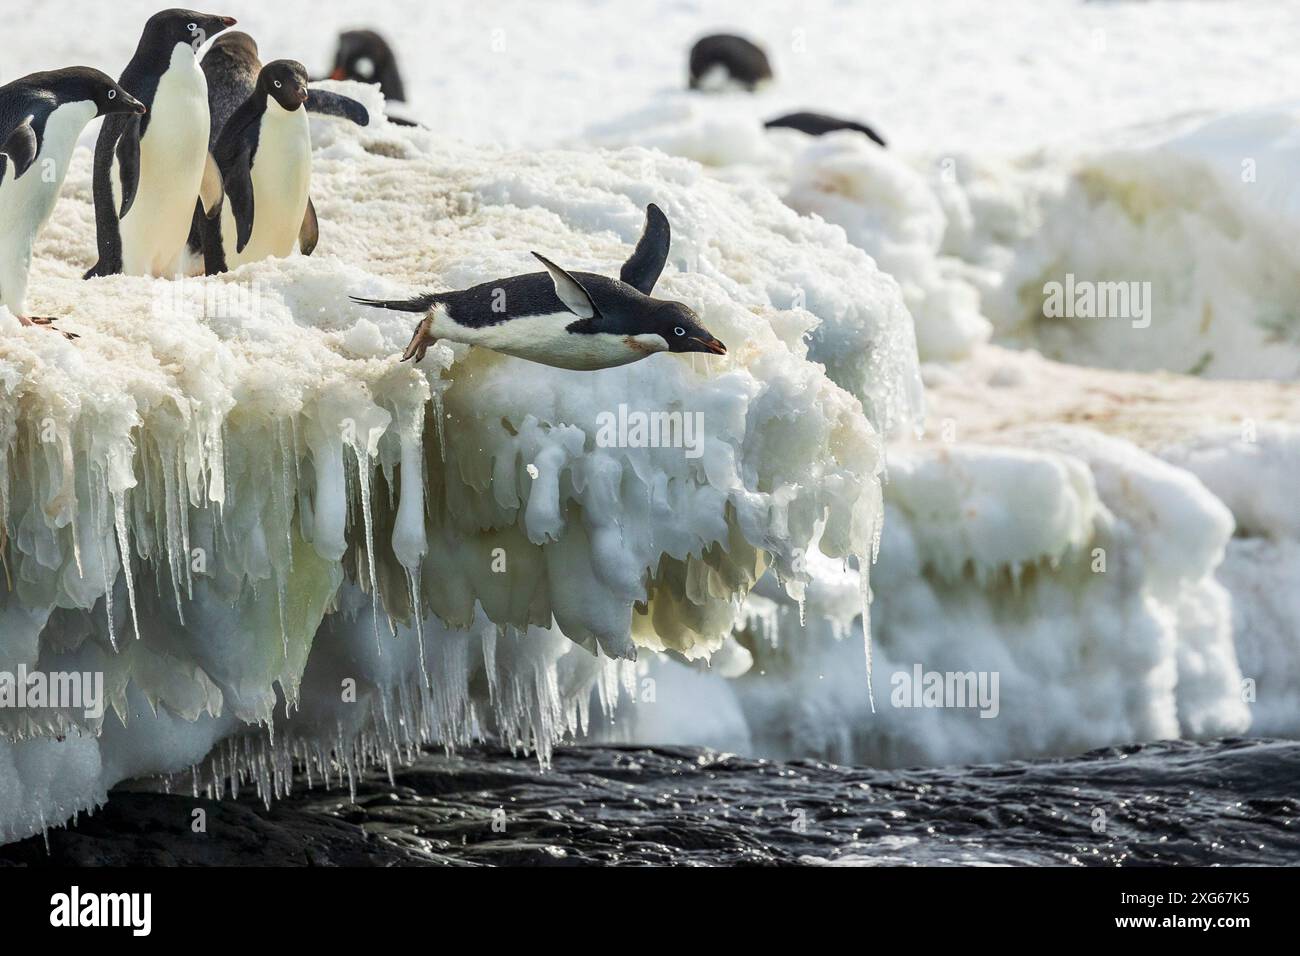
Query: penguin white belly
(281,177)
(545,339)
(173,152)
(26,204)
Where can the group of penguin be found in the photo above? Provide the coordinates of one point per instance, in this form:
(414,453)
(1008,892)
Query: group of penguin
(724,61)
(216,156)
(212,158)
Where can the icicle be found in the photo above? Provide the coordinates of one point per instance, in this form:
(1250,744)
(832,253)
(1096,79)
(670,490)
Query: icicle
(436,397)
(96,520)
(363,479)
(866,626)
(124,546)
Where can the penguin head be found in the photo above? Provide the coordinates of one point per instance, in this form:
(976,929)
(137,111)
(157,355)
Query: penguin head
(646,323)
(169,28)
(111,98)
(83,84)
(285,81)
(679,326)
(365,56)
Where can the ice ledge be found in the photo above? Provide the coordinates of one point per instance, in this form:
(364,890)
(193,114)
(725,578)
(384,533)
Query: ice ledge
(249,444)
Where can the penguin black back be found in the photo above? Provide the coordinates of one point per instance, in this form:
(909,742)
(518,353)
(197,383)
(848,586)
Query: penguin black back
(231,67)
(743,61)
(819,124)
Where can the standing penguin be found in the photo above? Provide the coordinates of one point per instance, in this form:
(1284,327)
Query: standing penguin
(41,117)
(365,56)
(574,320)
(150,169)
(231,67)
(264,157)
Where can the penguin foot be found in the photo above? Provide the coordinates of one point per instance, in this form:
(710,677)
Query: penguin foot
(420,343)
(46,323)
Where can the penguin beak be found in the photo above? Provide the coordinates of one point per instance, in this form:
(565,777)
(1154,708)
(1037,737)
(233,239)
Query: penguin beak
(125,103)
(338,74)
(301,93)
(228,21)
(705,343)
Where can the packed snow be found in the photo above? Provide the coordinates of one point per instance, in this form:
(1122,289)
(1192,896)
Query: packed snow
(283,548)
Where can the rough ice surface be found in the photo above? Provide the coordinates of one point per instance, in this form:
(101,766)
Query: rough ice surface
(1197,209)
(974,579)
(987,561)
(883,202)
(230,497)
(274,432)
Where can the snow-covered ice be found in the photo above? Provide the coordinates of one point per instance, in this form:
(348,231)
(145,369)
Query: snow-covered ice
(279,545)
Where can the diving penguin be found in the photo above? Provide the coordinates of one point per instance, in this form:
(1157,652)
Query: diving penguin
(263,155)
(573,320)
(41,117)
(150,169)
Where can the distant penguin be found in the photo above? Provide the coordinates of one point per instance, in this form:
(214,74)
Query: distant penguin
(365,56)
(150,169)
(41,117)
(573,320)
(263,154)
(819,124)
(723,60)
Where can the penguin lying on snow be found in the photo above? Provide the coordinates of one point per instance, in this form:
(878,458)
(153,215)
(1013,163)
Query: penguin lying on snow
(819,124)
(41,117)
(574,320)
(263,155)
(150,169)
(723,59)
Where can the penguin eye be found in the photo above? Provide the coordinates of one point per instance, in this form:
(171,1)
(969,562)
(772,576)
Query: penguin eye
(112,94)
(679,330)
(193,28)
(278,84)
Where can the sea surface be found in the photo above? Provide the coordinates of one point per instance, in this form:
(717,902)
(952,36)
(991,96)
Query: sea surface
(1226,802)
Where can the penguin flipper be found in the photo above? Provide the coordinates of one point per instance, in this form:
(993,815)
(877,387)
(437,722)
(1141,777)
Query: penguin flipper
(239,190)
(643,267)
(21,146)
(309,233)
(128,162)
(335,104)
(569,290)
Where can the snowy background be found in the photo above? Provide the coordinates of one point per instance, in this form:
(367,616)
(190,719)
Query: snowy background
(1136,142)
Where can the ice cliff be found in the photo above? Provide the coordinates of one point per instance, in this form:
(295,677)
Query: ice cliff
(229,498)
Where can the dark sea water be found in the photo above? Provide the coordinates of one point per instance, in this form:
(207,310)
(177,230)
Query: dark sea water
(1229,802)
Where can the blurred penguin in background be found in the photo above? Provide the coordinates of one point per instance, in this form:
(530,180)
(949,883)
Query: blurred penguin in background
(366,57)
(724,62)
(819,124)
